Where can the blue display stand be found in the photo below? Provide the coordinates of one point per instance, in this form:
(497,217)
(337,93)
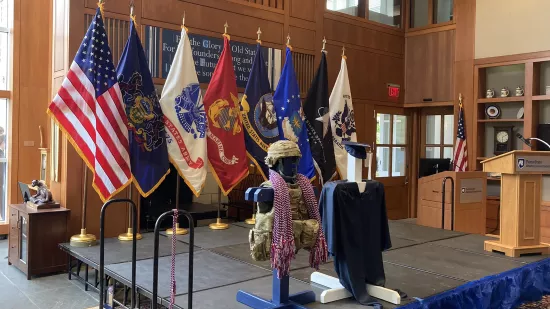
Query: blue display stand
(280,290)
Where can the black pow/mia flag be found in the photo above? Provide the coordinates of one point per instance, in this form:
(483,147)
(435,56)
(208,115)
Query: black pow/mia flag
(318,123)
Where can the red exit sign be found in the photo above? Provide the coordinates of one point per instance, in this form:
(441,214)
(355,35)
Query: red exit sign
(393,90)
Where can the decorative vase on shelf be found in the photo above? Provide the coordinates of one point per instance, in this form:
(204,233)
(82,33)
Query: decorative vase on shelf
(519,91)
(491,93)
(504,92)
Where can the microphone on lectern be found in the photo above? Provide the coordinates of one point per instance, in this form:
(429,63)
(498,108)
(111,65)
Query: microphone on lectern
(526,142)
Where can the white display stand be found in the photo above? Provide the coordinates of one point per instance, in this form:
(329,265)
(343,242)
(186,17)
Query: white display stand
(336,291)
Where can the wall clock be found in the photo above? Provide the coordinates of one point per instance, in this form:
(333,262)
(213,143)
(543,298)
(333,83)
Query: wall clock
(503,140)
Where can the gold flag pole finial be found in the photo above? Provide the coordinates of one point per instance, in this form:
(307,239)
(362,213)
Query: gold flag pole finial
(259,33)
(344,52)
(183,23)
(288,42)
(132,15)
(460,100)
(225,34)
(324,45)
(101,4)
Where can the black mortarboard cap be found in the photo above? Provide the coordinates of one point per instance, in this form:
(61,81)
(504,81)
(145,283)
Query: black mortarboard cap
(357,150)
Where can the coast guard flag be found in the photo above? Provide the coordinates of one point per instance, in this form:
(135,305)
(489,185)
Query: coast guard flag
(148,153)
(342,118)
(290,115)
(259,115)
(318,124)
(185,118)
(88,108)
(227,152)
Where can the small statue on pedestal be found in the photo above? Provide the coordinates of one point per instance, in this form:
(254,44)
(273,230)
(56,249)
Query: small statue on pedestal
(43,197)
(291,221)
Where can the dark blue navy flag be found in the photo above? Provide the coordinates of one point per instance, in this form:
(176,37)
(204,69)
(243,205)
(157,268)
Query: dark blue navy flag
(148,151)
(259,115)
(290,115)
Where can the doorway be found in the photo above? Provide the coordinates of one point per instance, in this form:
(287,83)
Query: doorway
(391,158)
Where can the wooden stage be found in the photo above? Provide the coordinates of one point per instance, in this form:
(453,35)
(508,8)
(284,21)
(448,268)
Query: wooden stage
(422,262)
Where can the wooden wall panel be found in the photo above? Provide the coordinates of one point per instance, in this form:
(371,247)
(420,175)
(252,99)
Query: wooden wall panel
(305,71)
(210,16)
(429,67)
(302,38)
(349,33)
(369,72)
(303,9)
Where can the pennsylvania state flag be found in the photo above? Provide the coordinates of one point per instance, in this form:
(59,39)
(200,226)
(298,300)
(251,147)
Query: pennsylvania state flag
(148,152)
(259,115)
(318,123)
(290,115)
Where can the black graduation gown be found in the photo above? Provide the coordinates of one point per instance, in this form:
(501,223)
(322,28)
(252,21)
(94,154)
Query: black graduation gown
(357,231)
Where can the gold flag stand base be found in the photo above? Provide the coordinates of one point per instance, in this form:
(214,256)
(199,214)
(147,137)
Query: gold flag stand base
(129,235)
(83,239)
(179,230)
(219,225)
(251,221)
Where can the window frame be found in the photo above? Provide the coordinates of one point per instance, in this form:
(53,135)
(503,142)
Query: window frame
(431,9)
(391,145)
(8,96)
(363,14)
(440,111)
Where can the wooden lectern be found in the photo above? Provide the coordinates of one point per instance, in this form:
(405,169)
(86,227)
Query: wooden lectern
(465,210)
(520,198)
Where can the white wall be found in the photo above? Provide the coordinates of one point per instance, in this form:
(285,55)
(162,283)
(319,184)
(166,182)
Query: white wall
(508,27)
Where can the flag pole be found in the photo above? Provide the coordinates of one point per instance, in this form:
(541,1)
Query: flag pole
(179,230)
(129,235)
(252,221)
(219,225)
(84,239)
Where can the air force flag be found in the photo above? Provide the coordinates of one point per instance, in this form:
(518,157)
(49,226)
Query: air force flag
(259,115)
(148,153)
(290,115)
(185,118)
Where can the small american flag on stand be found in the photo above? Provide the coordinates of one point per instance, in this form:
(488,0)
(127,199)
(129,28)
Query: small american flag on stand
(88,108)
(460,160)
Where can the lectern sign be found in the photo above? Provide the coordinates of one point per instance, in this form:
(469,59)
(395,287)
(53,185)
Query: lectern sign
(533,164)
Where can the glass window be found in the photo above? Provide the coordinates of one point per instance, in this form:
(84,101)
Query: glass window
(419,13)
(4,112)
(4,14)
(399,129)
(443,11)
(433,129)
(439,138)
(448,129)
(448,153)
(349,7)
(383,128)
(433,152)
(398,162)
(383,161)
(386,12)
(4,64)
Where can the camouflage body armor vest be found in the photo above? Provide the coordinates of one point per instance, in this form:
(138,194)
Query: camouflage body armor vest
(305,229)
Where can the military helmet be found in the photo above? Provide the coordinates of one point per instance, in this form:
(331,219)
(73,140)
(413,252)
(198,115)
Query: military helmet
(281,149)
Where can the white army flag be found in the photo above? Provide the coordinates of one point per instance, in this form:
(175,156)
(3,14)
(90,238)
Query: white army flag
(185,118)
(342,118)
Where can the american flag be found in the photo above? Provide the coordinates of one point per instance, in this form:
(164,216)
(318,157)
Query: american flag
(461,152)
(88,108)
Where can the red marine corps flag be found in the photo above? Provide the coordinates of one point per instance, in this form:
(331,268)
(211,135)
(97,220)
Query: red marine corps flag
(226,150)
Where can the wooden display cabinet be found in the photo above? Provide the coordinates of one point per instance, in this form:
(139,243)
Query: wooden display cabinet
(34,237)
